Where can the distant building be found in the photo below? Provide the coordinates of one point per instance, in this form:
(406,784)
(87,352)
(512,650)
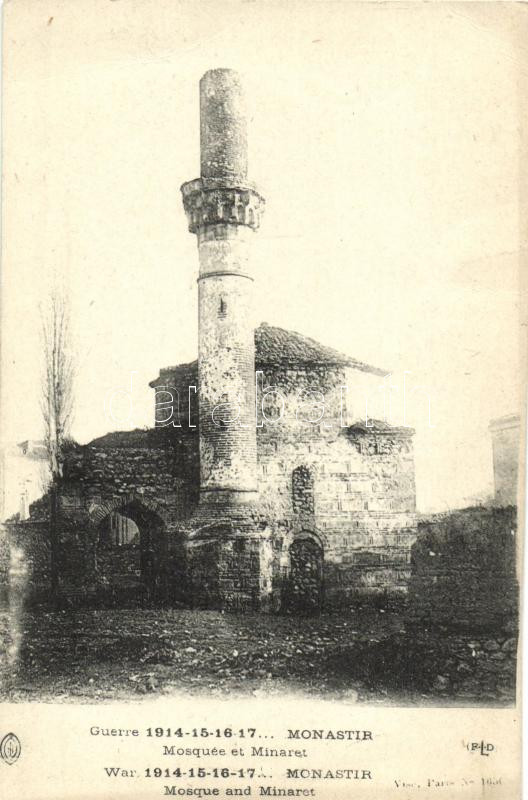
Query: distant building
(505,438)
(23,476)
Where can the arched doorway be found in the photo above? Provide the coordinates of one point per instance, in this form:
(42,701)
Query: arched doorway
(304,594)
(130,555)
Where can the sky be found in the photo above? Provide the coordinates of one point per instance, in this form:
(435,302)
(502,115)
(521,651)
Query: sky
(386,139)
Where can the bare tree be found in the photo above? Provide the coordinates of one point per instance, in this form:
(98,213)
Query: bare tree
(57,408)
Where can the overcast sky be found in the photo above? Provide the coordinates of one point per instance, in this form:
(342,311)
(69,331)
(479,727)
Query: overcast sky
(386,139)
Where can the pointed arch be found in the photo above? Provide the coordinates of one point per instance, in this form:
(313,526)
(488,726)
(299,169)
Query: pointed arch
(129,568)
(310,532)
(132,503)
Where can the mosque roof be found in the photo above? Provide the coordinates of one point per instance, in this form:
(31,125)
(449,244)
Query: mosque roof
(276,346)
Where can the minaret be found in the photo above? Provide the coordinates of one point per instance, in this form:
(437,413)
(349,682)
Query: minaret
(223,210)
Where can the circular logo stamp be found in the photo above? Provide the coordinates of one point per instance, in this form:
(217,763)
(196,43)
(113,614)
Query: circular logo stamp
(10,748)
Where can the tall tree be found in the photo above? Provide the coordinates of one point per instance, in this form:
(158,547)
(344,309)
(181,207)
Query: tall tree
(57,409)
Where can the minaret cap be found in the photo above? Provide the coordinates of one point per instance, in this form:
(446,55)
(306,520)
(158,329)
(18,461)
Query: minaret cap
(223,126)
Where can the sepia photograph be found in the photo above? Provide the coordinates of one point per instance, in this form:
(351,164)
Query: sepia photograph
(263,353)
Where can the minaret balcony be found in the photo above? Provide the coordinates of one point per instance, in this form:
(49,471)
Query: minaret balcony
(207,203)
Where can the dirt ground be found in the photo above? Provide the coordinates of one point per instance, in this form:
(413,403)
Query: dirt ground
(98,655)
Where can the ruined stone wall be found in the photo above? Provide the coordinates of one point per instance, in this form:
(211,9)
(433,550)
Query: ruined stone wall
(151,485)
(461,616)
(464,571)
(142,474)
(103,474)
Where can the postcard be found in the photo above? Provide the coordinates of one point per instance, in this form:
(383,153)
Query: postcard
(263,399)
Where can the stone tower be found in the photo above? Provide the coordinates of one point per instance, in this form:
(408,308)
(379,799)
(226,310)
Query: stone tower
(223,210)
(228,543)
